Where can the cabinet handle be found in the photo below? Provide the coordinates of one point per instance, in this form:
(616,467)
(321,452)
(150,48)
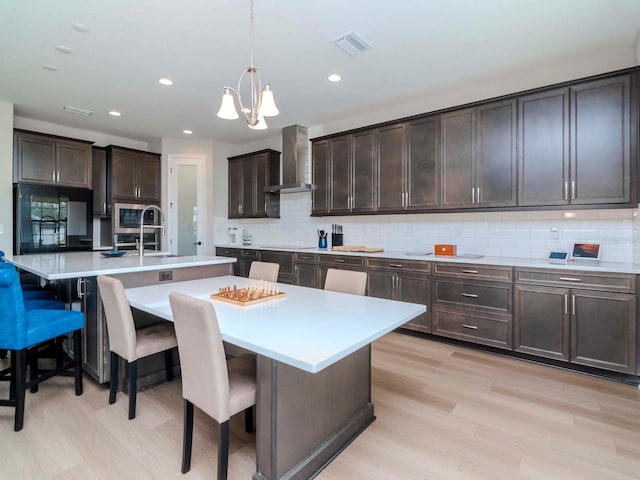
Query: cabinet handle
(573,305)
(470,327)
(104,207)
(265,207)
(573,189)
(295,270)
(477,194)
(469,295)
(566,303)
(473,195)
(53,176)
(395,265)
(339,261)
(570,279)
(79,287)
(565,192)
(470,271)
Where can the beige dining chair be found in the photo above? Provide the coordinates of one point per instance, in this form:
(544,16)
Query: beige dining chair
(346,281)
(128,343)
(264,271)
(219,387)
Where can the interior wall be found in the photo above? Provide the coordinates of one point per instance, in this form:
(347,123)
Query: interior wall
(6,184)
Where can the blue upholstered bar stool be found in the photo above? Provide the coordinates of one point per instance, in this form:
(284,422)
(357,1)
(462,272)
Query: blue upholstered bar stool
(24,329)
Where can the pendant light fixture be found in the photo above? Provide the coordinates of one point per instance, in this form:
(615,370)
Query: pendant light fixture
(262,103)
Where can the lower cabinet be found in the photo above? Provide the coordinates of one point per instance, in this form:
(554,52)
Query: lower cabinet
(284,259)
(591,324)
(306,270)
(407,281)
(244,258)
(339,262)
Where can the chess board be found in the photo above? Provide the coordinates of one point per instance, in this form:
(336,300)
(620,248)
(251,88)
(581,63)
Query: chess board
(251,295)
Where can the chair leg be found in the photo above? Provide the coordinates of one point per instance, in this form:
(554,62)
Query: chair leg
(59,351)
(133,388)
(223,450)
(77,352)
(33,367)
(248,420)
(12,375)
(187,436)
(113,383)
(21,380)
(3,353)
(168,364)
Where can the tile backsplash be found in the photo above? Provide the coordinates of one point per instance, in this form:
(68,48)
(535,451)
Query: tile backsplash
(501,234)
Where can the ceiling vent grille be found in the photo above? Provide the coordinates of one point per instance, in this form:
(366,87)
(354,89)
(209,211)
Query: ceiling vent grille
(352,43)
(78,110)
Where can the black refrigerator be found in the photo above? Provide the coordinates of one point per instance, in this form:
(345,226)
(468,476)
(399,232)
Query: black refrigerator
(51,219)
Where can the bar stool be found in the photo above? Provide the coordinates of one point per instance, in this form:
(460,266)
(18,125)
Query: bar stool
(346,281)
(128,343)
(264,271)
(218,387)
(23,330)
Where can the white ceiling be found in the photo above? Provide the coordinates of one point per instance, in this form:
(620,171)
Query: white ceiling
(419,46)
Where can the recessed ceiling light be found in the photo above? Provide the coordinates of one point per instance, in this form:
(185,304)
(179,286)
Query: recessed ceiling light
(334,77)
(63,49)
(78,110)
(79,27)
(51,68)
(187,132)
(166,81)
(114,113)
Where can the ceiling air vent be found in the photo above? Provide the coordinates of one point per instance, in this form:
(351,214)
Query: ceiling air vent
(78,110)
(352,43)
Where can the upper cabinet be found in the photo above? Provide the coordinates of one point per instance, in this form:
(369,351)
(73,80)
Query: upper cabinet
(46,159)
(101,203)
(134,175)
(249,174)
(479,156)
(573,145)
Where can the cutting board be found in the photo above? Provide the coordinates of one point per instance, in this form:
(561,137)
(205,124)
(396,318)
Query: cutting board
(357,248)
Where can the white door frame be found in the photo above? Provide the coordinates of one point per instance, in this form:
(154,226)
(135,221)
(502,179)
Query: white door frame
(200,162)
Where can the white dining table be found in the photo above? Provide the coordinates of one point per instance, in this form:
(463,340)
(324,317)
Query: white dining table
(313,351)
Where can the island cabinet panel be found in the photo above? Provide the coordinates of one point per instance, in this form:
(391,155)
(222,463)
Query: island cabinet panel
(248,175)
(320,178)
(134,175)
(586,318)
(407,281)
(340,166)
(50,160)
(423,164)
(391,166)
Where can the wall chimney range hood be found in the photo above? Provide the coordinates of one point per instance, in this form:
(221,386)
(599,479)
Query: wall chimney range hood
(295,161)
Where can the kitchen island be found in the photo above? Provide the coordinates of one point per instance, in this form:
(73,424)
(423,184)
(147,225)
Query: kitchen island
(74,274)
(314,365)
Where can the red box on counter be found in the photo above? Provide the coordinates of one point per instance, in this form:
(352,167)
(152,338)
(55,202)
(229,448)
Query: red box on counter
(444,249)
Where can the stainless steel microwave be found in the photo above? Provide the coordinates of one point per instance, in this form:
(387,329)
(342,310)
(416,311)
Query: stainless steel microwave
(126,217)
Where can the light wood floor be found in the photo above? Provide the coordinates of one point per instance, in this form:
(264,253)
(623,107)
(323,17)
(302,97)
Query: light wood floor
(443,412)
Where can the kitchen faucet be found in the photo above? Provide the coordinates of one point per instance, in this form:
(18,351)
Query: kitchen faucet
(162,226)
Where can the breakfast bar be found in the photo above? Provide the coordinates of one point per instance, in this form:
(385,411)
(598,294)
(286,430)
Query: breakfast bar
(314,365)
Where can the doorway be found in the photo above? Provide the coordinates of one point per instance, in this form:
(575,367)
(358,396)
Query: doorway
(186,204)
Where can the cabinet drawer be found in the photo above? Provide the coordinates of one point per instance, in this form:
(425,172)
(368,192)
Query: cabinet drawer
(250,254)
(615,282)
(468,270)
(494,330)
(284,259)
(340,260)
(306,257)
(486,295)
(228,252)
(398,265)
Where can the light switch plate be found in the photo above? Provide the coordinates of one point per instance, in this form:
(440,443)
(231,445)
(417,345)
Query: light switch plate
(1,228)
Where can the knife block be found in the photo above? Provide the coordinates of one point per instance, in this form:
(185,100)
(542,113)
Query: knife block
(336,239)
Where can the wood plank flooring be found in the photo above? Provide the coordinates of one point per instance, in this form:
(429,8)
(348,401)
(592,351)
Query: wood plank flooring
(443,412)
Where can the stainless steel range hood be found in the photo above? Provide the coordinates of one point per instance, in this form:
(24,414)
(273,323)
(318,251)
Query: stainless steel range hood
(295,161)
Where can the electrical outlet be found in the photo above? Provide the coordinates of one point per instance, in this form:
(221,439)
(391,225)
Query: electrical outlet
(1,228)
(165,276)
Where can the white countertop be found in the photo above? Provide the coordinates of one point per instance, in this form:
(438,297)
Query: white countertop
(56,266)
(309,329)
(602,267)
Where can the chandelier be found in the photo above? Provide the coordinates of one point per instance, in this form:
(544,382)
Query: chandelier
(262,103)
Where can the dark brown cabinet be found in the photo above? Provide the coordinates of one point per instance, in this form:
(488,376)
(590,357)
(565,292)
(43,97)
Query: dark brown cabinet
(248,176)
(101,202)
(340,178)
(50,160)
(306,270)
(320,175)
(285,260)
(422,172)
(339,262)
(585,318)
(391,163)
(134,175)
(406,281)
(479,156)
(244,259)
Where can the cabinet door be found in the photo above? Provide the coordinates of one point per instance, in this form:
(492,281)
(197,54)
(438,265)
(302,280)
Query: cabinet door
(381,284)
(415,289)
(247,199)
(123,175)
(148,178)
(261,170)
(307,275)
(423,164)
(391,161)
(363,172)
(340,180)
(235,187)
(496,173)
(34,159)
(603,330)
(99,182)
(542,321)
(543,148)
(73,164)
(458,156)
(319,167)
(600,148)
